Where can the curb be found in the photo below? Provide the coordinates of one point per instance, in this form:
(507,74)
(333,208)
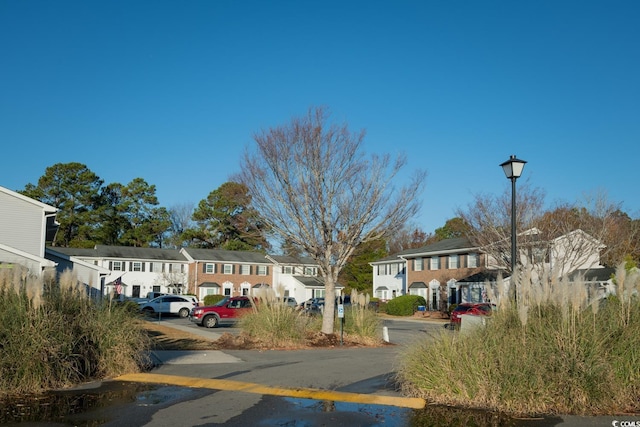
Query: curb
(304,393)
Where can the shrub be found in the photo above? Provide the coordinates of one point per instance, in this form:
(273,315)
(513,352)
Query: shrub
(405,305)
(212,299)
(558,354)
(273,323)
(53,336)
(362,324)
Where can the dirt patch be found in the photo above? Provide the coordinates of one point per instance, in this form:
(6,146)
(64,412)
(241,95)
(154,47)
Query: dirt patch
(167,338)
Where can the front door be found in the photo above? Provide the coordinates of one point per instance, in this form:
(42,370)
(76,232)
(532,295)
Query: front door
(135,291)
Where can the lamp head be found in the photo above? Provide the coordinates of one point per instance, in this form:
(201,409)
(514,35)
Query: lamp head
(513,167)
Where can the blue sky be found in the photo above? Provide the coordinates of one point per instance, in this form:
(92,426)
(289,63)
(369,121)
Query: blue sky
(172,91)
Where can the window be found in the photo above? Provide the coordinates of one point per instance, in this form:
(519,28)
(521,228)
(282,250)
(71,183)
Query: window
(213,291)
(228,269)
(538,254)
(435,263)
(175,268)
(287,269)
(318,293)
(136,266)
(262,270)
(417,264)
(155,267)
(394,269)
(209,268)
(380,270)
(453,262)
(245,269)
(472,260)
(309,271)
(118,266)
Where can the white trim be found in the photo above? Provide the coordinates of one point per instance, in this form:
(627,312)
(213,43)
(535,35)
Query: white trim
(40,260)
(43,206)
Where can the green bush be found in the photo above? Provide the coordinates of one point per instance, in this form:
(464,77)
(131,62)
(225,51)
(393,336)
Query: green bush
(53,336)
(405,305)
(212,299)
(451,308)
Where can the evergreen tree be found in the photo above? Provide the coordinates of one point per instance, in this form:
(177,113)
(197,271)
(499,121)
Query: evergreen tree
(75,191)
(225,220)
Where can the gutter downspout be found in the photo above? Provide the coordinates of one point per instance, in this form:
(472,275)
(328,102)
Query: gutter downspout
(195,281)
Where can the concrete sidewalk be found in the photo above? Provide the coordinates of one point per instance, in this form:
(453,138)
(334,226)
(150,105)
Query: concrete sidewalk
(185,357)
(191,357)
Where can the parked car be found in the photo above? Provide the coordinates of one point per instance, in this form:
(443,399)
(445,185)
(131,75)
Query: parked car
(474,309)
(225,312)
(313,305)
(192,298)
(148,297)
(290,301)
(169,304)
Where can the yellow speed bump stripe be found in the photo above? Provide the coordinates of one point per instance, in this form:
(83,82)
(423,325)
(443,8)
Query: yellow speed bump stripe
(304,393)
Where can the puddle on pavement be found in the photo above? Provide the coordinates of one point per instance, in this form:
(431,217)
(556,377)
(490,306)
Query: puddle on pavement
(91,408)
(441,416)
(307,412)
(390,416)
(63,407)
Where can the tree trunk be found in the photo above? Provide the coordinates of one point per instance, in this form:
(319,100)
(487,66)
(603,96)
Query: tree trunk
(328,315)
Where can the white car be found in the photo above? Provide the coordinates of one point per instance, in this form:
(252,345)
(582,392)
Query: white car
(170,304)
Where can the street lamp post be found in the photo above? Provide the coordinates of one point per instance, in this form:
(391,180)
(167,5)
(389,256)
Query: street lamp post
(513,169)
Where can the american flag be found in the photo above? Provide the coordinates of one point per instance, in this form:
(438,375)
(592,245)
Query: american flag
(118,284)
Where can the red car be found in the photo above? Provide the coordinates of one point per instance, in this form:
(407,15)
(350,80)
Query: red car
(225,312)
(474,309)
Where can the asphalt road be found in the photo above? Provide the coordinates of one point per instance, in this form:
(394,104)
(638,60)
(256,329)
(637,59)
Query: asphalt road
(319,387)
(365,373)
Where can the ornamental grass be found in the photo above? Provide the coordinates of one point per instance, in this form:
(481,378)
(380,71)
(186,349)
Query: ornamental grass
(559,352)
(52,335)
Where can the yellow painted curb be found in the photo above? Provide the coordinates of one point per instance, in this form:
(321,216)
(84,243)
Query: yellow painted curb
(304,393)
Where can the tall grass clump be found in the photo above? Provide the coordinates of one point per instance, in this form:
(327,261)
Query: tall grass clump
(558,351)
(361,323)
(273,323)
(52,335)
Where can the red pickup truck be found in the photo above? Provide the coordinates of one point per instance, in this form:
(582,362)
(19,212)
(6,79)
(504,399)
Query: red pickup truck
(225,312)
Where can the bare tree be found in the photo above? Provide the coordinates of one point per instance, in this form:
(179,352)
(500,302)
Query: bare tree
(410,236)
(563,239)
(489,220)
(181,221)
(602,219)
(313,185)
